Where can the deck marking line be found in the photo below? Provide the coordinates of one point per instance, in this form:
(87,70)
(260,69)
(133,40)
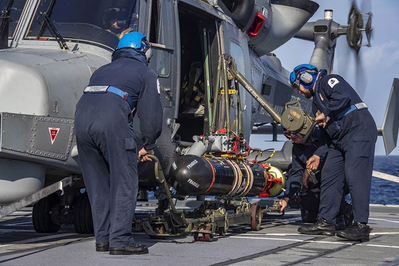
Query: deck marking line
(378,246)
(294,240)
(37,239)
(388,221)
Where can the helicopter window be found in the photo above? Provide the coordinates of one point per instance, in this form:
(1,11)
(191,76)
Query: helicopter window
(102,22)
(237,53)
(160,61)
(14,9)
(162,23)
(161,36)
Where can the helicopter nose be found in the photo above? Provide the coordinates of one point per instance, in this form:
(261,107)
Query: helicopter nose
(23,89)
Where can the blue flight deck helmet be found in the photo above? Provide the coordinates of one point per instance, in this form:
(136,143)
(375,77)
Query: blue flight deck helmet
(137,41)
(305,75)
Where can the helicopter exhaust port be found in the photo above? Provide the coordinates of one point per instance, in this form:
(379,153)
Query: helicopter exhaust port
(193,175)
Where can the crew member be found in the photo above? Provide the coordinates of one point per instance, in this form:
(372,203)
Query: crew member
(307,183)
(350,157)
(117,20)
(300,154)
(108,153)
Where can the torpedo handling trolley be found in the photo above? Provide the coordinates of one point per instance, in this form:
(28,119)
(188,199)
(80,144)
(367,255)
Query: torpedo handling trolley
(215,217)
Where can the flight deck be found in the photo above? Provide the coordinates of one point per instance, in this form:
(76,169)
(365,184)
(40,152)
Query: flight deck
(276,243)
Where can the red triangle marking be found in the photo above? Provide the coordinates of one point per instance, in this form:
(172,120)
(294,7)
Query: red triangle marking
(53,133)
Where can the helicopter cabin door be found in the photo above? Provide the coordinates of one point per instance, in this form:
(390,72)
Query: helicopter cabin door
(199,57)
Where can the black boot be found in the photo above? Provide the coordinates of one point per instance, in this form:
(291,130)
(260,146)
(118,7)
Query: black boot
(321,227)
(102,247)
(132,249)
(357,232)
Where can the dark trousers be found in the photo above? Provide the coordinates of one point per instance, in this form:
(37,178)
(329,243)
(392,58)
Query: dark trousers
(350,160)
(108,160)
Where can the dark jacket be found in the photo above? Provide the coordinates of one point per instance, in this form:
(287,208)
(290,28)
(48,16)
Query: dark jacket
(300,154)
(129,72)
(333,95)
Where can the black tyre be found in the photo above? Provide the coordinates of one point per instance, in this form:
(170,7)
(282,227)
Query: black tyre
(82,216)
(45,214)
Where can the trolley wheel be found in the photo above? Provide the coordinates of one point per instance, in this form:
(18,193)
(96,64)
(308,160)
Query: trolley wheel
(223,230)
(82,217)
(256,217)
(207,237)
(195,235)
(204,237)
(159,229)
(44,212)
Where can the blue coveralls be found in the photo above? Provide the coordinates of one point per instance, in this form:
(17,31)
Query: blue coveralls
(106,144)
(351,154)
(300,154)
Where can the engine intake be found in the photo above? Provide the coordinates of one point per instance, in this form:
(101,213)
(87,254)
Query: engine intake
(269,23)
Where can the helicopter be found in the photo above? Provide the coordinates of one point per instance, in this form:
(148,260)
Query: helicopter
(218,78)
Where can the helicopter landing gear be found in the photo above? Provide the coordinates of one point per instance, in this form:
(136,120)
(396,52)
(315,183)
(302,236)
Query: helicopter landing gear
(82,217)
(45,214)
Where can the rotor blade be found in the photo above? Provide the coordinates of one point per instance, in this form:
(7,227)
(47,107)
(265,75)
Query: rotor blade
(365,6)
(361,80)
(343,57)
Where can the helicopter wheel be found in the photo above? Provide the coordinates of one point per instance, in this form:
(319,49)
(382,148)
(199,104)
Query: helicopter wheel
(82,217)
(256,217)
(45,214)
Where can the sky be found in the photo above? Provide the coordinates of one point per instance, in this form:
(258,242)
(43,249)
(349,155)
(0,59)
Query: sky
(380,62)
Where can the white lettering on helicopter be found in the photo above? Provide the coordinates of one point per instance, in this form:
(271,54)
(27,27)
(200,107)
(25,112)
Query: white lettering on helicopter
(295,98)
(192,164)
(192,182)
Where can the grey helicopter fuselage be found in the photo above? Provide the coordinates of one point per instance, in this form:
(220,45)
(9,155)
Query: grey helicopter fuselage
(53,47)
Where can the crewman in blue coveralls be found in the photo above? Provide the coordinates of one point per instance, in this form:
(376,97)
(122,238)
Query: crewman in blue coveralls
(350,157)
(301,152)
(307,183)
(108,154)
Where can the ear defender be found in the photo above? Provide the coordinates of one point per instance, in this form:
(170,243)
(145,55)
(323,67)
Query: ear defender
(304,74)
(306,77)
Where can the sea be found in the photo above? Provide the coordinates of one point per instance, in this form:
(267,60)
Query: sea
(383,191)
